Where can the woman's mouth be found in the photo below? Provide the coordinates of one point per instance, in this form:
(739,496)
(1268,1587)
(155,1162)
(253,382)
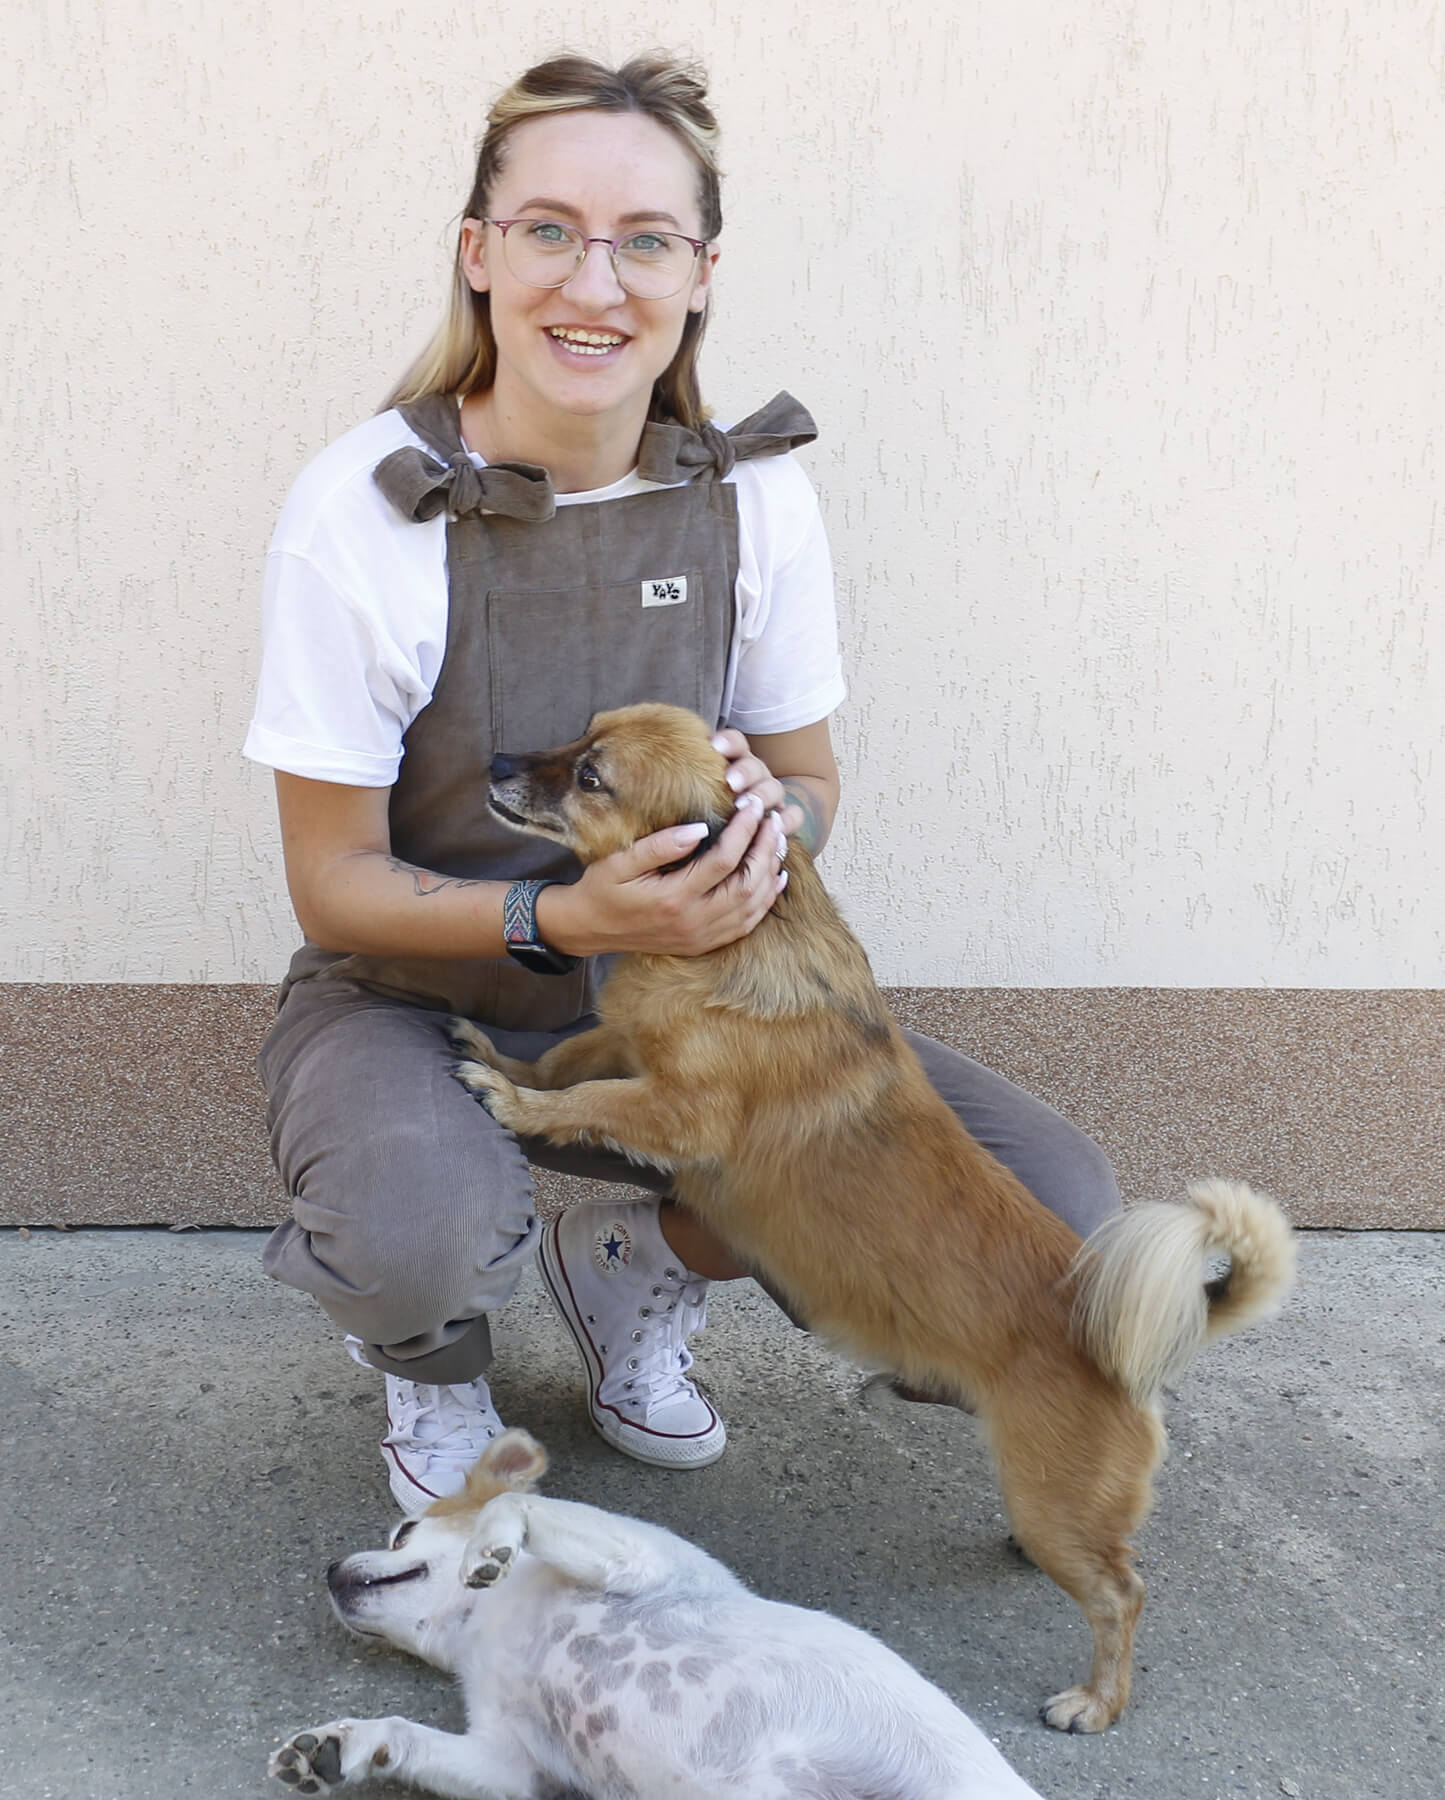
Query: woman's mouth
(577,341)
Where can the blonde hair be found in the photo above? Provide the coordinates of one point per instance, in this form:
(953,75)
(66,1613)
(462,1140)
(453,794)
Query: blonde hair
(462,356)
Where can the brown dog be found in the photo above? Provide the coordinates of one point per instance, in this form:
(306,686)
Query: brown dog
(770,1079)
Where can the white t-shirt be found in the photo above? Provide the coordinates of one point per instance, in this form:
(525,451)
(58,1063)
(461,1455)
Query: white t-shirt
(355,612)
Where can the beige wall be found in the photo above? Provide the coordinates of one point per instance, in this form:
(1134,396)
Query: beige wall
(1121,323)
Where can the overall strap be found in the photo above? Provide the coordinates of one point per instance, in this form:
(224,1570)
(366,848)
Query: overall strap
(672,453)
(420,486)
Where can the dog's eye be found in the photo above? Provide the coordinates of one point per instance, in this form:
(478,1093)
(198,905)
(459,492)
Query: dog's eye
(402,1533)
(588,778)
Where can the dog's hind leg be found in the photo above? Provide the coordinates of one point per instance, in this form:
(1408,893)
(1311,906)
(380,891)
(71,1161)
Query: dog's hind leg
(592,1548)
(482,1765)
(1076,1491)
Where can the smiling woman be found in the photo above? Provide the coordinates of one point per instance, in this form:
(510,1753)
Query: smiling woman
(542,523)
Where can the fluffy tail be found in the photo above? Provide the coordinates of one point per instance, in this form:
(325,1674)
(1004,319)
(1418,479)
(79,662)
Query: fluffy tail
(1142,1307)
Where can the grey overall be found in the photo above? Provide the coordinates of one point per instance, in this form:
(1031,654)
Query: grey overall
(412,1209)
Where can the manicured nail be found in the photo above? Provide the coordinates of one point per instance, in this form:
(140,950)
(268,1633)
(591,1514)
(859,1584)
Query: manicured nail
(736,779)
(782,881)
(690,834)
(750,800)
(719,742)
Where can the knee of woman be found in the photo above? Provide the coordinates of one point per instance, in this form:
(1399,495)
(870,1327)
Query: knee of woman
(1094,1194)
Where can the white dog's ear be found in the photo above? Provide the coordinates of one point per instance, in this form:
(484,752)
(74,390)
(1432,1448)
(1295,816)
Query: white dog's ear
(514,1460)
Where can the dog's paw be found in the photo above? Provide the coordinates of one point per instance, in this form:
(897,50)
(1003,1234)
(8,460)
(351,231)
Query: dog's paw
(310,1762)
(470,1040)
(488,1564)
(494,1091)
(1077,1709)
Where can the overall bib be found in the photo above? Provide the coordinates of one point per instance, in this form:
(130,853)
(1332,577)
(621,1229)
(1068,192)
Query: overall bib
(413,1212)
(412,1209)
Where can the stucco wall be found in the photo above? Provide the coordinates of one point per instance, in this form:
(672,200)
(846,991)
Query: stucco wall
(1121,323)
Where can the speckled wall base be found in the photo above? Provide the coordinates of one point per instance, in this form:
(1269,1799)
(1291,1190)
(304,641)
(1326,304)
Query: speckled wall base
(140,1105)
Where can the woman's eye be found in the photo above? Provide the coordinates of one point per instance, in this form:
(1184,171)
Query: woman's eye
(547,231)
(645,243)
(588,778)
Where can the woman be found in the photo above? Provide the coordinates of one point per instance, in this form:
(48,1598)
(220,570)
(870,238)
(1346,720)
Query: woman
(540,524)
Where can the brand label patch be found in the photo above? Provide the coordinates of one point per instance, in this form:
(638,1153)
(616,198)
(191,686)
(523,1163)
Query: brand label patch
(670,591)
(612,1248)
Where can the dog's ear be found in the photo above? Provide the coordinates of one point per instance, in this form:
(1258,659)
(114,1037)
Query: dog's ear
(514,1460)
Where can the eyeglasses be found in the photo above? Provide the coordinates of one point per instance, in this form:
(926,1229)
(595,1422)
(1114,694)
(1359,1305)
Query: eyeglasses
(651,265)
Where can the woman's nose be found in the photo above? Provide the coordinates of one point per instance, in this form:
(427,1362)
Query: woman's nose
(596,283)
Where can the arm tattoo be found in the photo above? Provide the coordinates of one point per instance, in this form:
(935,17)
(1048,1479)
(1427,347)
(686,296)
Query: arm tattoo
(813,832)
(426,881)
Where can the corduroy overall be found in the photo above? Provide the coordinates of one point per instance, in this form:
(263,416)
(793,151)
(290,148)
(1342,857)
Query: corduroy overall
(413,1211)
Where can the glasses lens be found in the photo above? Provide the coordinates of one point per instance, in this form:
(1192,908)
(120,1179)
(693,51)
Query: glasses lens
(654,264)
(543,252)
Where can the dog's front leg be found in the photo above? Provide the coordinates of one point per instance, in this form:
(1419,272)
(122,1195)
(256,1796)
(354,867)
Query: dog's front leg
(592,1548)
(479,1766)
(634,1116)
(590,1056)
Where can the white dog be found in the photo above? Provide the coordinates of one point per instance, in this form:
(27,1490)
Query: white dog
(605,1659)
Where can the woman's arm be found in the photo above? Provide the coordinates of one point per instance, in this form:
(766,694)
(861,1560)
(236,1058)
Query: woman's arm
(352,895)
(793,771)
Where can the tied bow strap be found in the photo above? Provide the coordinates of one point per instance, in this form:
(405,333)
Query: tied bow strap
(672,453)
(421,487)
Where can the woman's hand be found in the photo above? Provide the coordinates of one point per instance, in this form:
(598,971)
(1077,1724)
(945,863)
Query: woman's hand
(749,776)
(636,900)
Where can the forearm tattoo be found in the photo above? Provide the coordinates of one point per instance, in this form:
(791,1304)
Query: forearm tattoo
(812,834)
(427,881)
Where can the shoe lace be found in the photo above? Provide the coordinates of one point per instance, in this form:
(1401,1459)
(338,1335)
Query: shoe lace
(447,1424)
(654,1370)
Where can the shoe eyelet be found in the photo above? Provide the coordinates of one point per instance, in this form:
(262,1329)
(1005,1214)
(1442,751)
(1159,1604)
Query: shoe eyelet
(632,1362)
(657,1293)
(637,1337)
(592,1318)
(644,1312)
(629,1384)
(672,1274)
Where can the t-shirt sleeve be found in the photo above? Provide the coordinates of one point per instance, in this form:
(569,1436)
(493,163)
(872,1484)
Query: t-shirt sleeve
(333,701)
(789,671)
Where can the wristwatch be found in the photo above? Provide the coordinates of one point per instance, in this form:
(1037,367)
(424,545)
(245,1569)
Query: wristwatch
(519,929)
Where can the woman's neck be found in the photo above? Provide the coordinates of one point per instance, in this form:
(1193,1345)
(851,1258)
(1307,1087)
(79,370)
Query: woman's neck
(579,453)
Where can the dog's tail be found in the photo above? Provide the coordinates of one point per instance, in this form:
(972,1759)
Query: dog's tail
(1142,1305)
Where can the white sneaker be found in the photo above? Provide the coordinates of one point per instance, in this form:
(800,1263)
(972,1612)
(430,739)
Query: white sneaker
(434,1434)
(630,1305)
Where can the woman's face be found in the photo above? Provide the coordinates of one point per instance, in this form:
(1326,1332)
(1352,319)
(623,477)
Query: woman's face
(608,174)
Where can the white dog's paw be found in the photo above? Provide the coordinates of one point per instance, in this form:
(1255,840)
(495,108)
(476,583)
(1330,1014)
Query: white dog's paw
(310,1762)
(487,1565)
(496,1541)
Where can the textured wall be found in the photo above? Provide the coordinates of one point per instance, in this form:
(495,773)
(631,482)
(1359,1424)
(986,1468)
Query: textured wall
(1121,324)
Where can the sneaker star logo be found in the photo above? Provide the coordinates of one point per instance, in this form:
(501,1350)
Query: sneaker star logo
(612,1248)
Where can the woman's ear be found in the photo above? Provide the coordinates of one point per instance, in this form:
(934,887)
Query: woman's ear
(697,300)
(473,256)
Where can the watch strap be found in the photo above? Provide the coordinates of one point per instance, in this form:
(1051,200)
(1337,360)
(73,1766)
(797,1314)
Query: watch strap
(519,931)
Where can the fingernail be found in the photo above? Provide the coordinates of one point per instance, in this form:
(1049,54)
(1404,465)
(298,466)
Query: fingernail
(690,834)
(782,881)
(719,742)
(735,779)
(750,800)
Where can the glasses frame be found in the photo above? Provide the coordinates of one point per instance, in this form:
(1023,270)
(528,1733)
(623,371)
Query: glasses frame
(551,287)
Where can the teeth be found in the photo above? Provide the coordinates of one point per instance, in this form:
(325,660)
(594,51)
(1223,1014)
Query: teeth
(585,343)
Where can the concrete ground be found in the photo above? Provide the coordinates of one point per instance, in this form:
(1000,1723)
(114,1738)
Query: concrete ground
(186,1447)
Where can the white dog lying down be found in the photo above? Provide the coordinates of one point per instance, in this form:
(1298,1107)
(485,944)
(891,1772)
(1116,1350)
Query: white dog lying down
(605,1659)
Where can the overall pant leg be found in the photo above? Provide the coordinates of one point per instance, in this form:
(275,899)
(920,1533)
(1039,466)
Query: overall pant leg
(1055,1161)
(412,1208)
